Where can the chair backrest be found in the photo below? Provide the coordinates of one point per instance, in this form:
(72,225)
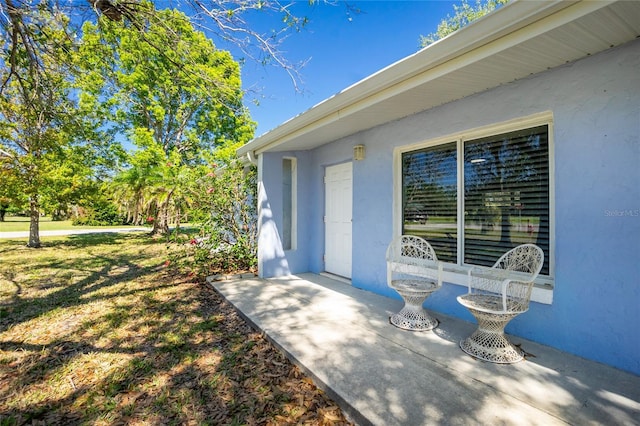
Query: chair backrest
(525,258)
(412,255)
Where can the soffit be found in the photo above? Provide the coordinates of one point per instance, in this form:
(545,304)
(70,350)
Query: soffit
(556,34)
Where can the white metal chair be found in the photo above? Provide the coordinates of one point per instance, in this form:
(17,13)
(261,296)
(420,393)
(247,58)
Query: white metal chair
(496,296)
(413,270)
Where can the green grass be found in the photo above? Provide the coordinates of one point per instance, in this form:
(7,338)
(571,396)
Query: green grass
(98,329)
(20,223)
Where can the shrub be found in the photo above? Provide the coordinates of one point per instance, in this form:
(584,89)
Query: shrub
(100,213)
(224,210)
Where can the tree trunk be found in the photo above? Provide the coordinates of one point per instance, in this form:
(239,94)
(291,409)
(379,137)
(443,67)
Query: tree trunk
(160,226)
(177,220)
(34,224)
(161,222)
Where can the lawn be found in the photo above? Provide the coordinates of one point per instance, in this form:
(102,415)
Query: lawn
(98,329)
(21,223)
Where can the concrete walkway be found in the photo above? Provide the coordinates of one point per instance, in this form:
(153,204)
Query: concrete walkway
(382,375)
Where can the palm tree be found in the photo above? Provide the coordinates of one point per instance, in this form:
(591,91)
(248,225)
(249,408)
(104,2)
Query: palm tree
(160,191)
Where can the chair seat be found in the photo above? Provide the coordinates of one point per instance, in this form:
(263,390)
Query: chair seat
(491,304)
(417,274)
(416,286)
(496,296)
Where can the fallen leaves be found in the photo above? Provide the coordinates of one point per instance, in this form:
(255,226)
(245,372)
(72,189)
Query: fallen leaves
(114,339)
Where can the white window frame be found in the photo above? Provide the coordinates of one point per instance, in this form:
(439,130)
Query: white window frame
(294,204)
(456,273)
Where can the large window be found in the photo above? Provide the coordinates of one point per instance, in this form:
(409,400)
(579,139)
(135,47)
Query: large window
(474,199)
(429,197)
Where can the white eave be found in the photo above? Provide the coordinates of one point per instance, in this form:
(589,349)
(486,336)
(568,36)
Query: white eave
(518,40)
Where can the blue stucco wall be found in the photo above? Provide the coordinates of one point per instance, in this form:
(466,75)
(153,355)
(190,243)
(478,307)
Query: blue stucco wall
(596,110)
(273,261)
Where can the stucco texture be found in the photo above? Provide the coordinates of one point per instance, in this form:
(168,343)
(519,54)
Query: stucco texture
(595,104)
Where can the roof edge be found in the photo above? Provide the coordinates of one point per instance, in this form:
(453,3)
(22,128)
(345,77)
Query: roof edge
(494,26)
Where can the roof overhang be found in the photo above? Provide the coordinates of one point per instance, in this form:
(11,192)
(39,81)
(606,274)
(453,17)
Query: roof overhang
(520,39)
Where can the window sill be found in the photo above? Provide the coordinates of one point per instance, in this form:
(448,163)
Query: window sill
(542,289)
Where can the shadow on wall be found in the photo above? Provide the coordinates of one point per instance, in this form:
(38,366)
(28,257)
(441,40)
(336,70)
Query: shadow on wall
(271,258)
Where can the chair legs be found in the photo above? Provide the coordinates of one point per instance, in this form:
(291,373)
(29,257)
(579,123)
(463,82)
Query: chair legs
(488,342)
(413,316)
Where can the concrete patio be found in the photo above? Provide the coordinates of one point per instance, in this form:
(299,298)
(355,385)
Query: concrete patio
(382,375)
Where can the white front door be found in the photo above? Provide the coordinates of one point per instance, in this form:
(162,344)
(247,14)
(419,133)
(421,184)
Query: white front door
(338,207)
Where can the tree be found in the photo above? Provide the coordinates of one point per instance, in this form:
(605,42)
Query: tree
(33,121)
(185,97)
(68,179)
(42,123)
(224,19)
(177,103)
(172,194)
(11,190)
(130,186)
(153,191)
(463,16)
(37,38)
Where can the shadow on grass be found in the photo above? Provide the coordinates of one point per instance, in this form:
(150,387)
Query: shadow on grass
(103,332)
(75,280)
(101,237)
(92,239)
(75,240)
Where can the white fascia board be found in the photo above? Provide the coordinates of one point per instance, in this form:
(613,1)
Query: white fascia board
(512,24)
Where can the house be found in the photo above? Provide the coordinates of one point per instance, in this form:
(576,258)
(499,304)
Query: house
(522,127)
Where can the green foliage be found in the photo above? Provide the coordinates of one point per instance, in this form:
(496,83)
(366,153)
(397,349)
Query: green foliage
(32,110)
(68,180)
(463,16)
(155,185)
(48,144)
(166,85)
(12,199)
(175,96)
(224,209)
(101,212)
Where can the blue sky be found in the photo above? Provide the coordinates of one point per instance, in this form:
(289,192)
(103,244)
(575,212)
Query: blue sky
(342,48)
